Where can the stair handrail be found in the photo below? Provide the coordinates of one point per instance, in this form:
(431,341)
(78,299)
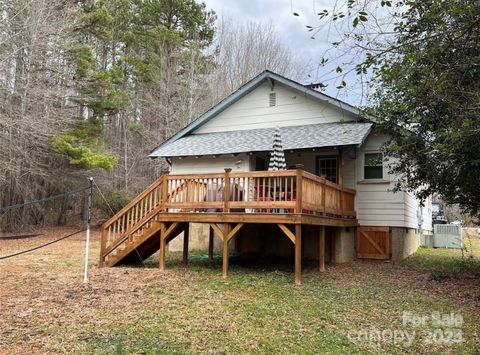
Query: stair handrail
(140,223)
(145,218)
(137,199)
(157,183)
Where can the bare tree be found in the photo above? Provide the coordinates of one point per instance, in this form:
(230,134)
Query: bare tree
(41,96)
(242,51)
(34,89)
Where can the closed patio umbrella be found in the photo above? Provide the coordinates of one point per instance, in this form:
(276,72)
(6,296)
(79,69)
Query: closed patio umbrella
(277,158)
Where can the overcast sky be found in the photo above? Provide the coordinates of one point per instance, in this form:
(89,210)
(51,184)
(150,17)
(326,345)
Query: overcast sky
(292,29)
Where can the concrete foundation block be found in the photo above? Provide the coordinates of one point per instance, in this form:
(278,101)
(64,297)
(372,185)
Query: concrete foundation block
(405,242)
(344,245)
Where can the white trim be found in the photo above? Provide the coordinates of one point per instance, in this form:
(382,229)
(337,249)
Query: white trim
(384,172)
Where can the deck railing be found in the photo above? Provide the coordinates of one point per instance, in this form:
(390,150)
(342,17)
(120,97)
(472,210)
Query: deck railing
(286,191)
(249,192)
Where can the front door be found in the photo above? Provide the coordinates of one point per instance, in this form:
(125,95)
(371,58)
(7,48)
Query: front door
(328,167)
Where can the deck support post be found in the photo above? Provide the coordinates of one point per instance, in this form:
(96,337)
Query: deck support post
(340,179)
(321,257)
(226,230)
(226,206)
(162,248)
(298,254)
(210,243)
(186,235)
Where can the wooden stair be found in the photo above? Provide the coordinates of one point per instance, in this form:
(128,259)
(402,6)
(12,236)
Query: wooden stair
(132,235)
(139,248)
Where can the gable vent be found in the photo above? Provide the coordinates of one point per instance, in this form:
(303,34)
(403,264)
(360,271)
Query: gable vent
(272,99)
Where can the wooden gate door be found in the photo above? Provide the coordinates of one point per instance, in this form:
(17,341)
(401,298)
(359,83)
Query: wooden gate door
(374,243)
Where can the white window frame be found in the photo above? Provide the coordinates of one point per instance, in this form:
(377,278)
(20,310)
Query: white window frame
(384,175)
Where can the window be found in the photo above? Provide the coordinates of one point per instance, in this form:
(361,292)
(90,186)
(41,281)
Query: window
(373,168)
(327,166)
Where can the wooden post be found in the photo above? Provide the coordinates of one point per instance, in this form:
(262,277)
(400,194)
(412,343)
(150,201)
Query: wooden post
(103,243)
(226,207)
(164,196)
(321,257)
(333,236)
(210,243)
(226,230)
(298,254)
(340,179)
(186,235)
(161,257)
(298,208)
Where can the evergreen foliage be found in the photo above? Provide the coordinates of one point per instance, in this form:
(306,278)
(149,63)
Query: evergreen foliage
(122,46)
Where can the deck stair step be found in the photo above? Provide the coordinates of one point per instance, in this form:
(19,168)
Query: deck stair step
(129,247)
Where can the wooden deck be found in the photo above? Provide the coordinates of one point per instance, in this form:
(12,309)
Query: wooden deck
(226,201)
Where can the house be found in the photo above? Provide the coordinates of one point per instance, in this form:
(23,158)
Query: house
(337,192)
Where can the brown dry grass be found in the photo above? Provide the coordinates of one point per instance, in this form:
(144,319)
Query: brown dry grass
(46,308)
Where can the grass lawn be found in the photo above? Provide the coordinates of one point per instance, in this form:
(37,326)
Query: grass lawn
(46,308)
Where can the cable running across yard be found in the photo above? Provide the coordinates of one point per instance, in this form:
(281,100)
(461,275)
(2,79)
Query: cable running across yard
(41,246)
(51,198)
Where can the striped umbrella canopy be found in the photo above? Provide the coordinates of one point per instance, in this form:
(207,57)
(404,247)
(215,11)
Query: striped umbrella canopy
(277,158)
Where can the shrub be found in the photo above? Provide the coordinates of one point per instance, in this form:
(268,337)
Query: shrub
(113,202)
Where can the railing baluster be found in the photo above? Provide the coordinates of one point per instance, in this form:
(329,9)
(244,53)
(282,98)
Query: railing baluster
(150,201)
(237,188)
(274,189)
(109,236)
(197,191)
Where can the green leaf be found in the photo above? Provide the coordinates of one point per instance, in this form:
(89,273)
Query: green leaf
(83,146)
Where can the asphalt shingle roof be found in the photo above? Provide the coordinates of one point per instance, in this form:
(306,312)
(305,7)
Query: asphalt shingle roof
(257,140)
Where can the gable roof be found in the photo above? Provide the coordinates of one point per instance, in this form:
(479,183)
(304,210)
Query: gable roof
(260,140)
(244,90)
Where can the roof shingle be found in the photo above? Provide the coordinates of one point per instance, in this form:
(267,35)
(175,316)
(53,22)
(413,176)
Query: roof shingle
(257,140)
